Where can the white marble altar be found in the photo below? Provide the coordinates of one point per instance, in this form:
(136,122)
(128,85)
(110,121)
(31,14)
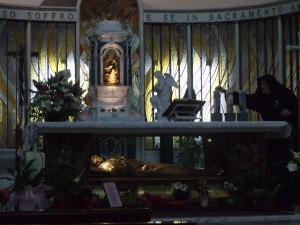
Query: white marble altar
(271,128)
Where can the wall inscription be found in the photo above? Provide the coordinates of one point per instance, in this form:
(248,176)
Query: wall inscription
(221,16)
(37,15)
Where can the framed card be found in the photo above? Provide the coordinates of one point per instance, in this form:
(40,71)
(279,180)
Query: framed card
(112,194)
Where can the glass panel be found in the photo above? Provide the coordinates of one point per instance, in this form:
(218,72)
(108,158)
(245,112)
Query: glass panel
(259,54)
(213,61)
(165,51)
(12,81)
(53,47)
(292,58)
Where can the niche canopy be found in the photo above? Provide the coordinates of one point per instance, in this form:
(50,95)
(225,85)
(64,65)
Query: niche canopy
(111,30)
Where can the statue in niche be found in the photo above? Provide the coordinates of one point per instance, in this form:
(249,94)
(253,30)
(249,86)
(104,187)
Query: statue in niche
(163,88)
(111,68)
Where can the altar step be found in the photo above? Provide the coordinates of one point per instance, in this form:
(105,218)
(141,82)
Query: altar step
(229,218)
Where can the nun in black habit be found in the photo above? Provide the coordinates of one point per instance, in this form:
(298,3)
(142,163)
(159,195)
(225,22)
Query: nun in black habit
(274,102)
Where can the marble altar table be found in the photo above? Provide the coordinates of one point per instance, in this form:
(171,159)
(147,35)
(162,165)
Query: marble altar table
(273,128)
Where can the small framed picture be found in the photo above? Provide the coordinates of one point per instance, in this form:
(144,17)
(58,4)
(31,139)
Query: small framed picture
(112,194)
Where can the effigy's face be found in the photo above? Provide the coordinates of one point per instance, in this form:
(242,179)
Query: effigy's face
(96,160)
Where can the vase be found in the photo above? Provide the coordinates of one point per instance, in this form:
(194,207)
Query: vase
(56,117)
(204,201)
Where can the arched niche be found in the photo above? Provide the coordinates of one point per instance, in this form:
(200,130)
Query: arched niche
(111,64)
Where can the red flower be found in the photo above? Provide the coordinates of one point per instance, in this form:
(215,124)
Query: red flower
(4,195)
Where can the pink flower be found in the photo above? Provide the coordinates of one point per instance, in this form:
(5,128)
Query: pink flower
(28,200)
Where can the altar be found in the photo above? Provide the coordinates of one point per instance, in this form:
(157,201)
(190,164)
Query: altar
(78,135)
(279,129)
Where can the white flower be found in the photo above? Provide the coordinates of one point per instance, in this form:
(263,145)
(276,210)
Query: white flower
(292,166)
(184,187)
(177,186)
(296,155)
(228,186)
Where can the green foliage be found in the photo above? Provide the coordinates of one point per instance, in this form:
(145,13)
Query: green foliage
(190,151)
(26,177)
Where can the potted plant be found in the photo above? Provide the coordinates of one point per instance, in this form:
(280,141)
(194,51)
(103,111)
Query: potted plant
(203,192)
(56,99)
(231,189)
(28,191)
(190,151)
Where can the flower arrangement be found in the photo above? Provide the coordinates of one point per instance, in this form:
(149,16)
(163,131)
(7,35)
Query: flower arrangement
(27,192)
(203,188)
(232,191)
(180,191)
(230,188)
(294,163)
(56,99)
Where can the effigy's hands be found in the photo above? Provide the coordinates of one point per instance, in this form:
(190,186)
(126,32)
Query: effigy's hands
(285,113)
(221,89)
